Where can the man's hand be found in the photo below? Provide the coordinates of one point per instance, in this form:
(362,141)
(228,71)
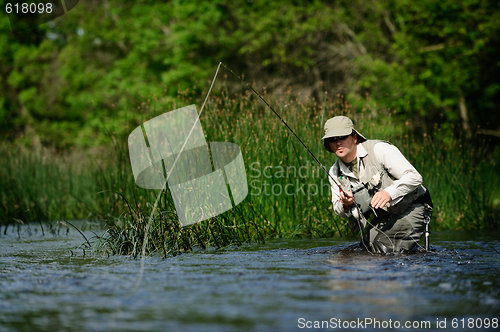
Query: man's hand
(347,200)
(380,199)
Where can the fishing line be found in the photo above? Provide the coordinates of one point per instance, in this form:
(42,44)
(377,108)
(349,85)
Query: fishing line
(150,219)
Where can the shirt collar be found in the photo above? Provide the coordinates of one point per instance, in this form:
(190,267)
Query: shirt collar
(360,153)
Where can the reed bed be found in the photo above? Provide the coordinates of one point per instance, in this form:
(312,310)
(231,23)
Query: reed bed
(289,194)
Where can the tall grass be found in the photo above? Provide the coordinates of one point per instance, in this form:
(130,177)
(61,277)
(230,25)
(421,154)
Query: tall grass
(463,182)
(34,186)
(289,195)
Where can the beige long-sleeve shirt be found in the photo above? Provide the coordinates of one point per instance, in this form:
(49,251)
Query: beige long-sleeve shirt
(407,177)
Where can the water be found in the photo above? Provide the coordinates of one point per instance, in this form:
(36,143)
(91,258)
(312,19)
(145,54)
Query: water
(48,283)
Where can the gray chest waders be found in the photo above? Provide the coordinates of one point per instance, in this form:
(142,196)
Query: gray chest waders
(375,180)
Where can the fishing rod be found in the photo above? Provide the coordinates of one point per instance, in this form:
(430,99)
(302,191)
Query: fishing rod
(357,209)
(298,138)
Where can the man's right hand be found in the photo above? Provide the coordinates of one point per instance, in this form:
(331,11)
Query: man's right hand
(347,200)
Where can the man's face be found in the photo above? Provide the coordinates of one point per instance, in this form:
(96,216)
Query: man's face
(344,147)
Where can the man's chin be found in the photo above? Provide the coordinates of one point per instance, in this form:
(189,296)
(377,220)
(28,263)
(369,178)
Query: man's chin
(340,155)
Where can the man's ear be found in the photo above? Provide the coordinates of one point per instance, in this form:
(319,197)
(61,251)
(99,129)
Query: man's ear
(355,139)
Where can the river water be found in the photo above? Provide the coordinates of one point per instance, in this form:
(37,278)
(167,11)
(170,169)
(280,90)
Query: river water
(51,283)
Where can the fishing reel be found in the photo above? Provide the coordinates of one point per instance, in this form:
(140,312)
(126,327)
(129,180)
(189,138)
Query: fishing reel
(363,199)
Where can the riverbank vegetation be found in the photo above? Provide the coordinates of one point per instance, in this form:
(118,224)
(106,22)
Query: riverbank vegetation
(424,76)
(289,194)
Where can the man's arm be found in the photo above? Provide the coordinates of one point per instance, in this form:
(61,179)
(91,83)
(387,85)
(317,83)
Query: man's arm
(407,177)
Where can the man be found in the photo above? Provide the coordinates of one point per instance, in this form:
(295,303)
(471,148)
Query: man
(384,184)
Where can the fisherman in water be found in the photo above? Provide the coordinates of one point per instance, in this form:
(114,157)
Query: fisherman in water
(376,178)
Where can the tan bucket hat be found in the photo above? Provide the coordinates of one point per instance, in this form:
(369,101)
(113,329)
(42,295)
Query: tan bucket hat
(339,126)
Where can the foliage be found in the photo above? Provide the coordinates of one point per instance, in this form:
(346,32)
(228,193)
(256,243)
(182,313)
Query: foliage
(441,66)
(430,62)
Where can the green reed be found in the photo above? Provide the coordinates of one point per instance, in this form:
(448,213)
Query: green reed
(289,194)
(34,186)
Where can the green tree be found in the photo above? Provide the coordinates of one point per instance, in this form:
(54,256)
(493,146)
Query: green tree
(90,74)
(443,64)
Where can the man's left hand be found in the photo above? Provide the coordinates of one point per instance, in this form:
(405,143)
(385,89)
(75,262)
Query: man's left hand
(380,199)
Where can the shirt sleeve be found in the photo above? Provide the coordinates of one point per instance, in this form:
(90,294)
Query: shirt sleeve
(338,207)
(407,177)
